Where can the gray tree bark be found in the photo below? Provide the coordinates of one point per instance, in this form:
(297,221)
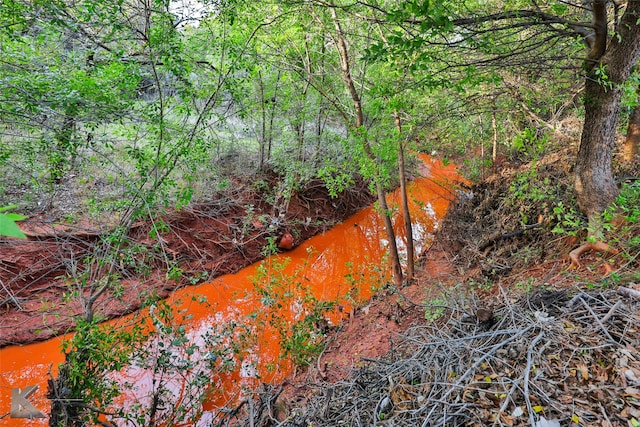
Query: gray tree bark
(607,67)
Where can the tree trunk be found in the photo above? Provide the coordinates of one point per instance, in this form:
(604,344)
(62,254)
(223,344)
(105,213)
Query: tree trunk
(341,45)
(272,114)
(594,183)
(494,126)
(607,67)
(406,215)
(263,122)
(63,146)
(632,141)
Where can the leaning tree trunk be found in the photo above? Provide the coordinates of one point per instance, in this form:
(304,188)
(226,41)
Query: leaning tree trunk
(607,68)
(341,46)
(404,198)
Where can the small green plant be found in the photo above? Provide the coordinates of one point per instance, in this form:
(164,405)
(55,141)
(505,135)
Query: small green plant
(591,286)
(602,77)
(627,203)
(530,142)
(336,178)
(567,220)
(621,221)
(135,257)
(271,248)
(371,274)
(484,285)
(611,280)
(435,309)
(198,277)
(530,194)
(159,227)
(307,337)
(174,273)
(538,197)
(527,286)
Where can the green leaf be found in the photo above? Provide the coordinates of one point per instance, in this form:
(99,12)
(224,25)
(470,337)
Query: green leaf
(8,226)
(559,8)
(7,208)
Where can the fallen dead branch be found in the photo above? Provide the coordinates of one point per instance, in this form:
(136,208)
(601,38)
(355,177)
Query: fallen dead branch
(627,292)
(576,363)
(491,240)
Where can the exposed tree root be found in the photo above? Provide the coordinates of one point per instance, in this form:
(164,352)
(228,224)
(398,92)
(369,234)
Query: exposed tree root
(600,246)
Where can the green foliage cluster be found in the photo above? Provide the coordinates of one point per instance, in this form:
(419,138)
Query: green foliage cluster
(84,382)
(531,144)
(537,196)
(622,221)
(183,370)
(627,204)
(182,367)
(288,306)
(435,308)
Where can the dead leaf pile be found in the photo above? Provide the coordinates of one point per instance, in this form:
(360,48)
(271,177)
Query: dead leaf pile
(578,364)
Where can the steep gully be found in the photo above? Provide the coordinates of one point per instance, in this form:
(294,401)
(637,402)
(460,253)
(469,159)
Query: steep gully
(330,263)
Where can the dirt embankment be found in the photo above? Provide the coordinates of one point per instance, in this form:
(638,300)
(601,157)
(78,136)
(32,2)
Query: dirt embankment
(497,329)
(202,241)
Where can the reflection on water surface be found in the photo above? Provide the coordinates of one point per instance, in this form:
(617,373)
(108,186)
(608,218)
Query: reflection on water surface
(224,336)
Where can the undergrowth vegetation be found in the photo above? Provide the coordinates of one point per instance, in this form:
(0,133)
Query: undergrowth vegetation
(289,308)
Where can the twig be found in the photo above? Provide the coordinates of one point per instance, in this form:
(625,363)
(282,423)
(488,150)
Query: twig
(579,297)
(11,297)
(611,311)
(475,366)
(628,292)
(443,368)
(527,370)
(604,329)
(604,414)
(324,349)
(250,400)
(507,399)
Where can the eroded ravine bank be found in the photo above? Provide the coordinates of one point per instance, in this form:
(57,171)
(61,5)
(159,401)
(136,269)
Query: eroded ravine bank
(207,239)
(338,266)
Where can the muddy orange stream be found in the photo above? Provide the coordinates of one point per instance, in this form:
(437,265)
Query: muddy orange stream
(341,265)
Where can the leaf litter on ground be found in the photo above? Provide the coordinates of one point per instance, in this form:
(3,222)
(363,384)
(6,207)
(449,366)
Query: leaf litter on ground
(576,362)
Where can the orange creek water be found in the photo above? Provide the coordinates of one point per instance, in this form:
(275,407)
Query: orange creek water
(341,265)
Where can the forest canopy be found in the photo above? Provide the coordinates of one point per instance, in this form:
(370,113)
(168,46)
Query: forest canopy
(160,102)
(154,93)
